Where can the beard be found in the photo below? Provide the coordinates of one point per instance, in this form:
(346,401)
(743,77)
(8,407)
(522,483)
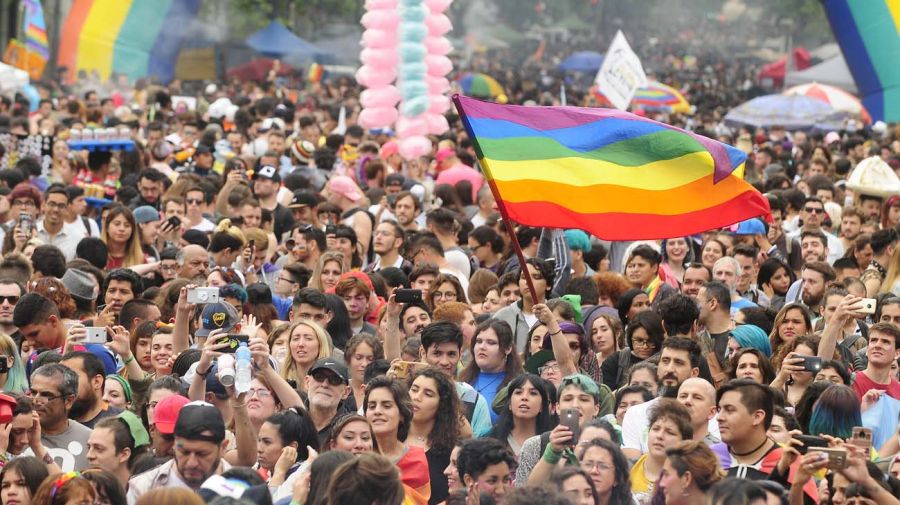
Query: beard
(81,407)
(811,300)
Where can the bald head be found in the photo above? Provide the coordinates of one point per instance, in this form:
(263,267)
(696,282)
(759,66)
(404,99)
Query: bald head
(699,396)
(193,261)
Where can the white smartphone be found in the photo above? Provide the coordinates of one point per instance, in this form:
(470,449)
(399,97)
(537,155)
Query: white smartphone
(95,335)
(203,295)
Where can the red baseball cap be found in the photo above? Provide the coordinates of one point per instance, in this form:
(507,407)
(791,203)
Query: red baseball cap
(166,413)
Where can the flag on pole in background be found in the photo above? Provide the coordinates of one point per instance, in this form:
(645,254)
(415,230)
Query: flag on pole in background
(35,30)
(621,73)
(613,174)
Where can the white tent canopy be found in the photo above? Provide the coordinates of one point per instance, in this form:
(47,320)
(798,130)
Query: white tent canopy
(832,71)
(12,78)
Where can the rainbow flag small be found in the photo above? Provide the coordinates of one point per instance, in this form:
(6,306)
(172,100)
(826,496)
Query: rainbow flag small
(613,174)
(35,30)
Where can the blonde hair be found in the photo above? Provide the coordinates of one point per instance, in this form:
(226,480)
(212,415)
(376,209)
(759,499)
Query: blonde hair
(316,280)
(169,496)
(259,237)
(893,273)
(289,368)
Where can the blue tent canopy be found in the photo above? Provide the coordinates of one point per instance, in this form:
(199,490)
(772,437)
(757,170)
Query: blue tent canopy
(583,61)
(277,41)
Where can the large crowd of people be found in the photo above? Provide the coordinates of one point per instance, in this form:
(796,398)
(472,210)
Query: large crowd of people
(256,300)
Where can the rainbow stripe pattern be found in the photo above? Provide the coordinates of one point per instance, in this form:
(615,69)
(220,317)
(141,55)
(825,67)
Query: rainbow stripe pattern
(868,32)
(608,172)
(134,37)
(35,29)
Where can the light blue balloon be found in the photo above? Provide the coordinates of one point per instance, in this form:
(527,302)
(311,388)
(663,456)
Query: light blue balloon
(413,71)
(34,98)
(413,89)
(412,52)
(415,14)
(412,3)
(413,32)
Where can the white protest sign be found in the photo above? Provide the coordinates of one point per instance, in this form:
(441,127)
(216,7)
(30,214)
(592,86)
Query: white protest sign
(621,73)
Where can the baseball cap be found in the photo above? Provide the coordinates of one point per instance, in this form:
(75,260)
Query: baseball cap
(343,185)
(267,172)
(751,226)
(203,149)
(394,180)
(538,359)
(146,214)
(167,413)
(196,418)
(334,366)
(217,316)
(443,154)
(389,148)
(303,198)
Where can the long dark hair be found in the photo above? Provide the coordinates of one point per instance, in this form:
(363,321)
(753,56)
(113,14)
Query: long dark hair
(445,432)
(320,473)
(107,486)
(621,491)
(507,343)
(506,423)
(339,324)
(32,470)
(401,397)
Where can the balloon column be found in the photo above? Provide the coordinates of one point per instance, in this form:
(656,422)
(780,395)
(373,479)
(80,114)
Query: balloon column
(405,40)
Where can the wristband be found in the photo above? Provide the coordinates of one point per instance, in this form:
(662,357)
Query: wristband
(557,332)
(551,456)
(204,374)
(129,360)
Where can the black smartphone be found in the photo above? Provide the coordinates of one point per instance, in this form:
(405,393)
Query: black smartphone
(251,244)
(811,363)
(174,222)
(330,229)
(408,295)
(809,442)
(570,419)
(233,341)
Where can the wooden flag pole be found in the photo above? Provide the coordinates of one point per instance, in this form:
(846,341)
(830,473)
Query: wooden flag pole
(507,222)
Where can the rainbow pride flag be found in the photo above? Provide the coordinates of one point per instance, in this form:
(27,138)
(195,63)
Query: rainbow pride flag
(134,37)
(613,174)
(868,32)
(35,29)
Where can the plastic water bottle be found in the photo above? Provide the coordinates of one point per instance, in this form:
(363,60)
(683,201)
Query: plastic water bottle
(242,369)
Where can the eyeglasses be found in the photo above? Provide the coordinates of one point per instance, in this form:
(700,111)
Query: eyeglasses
(11,299)
(57,205)
(591,465)
(24,203)
(640,342)
(445,295)
(813,210)
(45,396)
(291,281)
(260,392)
(193,201)
(333,380)
(548,368)
(383,233)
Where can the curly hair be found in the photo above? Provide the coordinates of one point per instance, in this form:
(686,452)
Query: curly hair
(445,433)
(696,457)
(57,292)
(611,285)
(765,366)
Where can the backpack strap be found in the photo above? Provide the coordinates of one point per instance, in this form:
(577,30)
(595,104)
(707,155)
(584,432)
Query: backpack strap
(87,225)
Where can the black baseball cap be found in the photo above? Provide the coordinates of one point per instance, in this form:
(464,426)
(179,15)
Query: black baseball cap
(332,365)
(303,198)
(200,421)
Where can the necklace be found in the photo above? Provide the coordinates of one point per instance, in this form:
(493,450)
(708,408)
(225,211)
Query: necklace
(491,383)
(758,447)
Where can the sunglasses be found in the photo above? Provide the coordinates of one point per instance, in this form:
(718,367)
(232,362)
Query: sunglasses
(333,380)
(813,210)
(11,299)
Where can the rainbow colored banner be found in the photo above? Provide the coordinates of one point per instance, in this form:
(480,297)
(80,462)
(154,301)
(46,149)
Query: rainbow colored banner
(35,29)
(608,172)
(868,32)
(134,37)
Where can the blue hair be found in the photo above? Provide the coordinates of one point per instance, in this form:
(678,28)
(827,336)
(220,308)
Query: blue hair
(836,412)
(748,335)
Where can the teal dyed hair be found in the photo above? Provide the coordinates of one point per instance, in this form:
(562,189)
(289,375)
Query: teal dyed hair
(16,382)
(836,412)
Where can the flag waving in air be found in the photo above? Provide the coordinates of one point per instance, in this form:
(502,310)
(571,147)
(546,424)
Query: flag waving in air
(608,172)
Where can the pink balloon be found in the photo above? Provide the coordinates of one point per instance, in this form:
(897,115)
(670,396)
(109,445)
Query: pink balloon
(438,66)
(372,77)
(437,124)
(381,19)
(438,24)
(437,85)
(411,127)
(380,58)
(379,117)
(438,6)
(379,39)
(438,46)
(380,4)
(438,104)
(387,96)
(414,147)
